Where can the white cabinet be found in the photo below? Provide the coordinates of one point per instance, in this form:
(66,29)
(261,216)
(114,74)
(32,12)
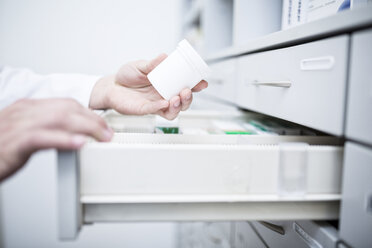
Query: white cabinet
(205,235)
(305,84)
(222,82)
(283,234)
(356,213)
(359,110)
(170,177)
(246,237)
(217,23)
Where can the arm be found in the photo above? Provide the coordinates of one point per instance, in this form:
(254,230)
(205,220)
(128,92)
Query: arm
(16,84)
(27,126)
(128,91)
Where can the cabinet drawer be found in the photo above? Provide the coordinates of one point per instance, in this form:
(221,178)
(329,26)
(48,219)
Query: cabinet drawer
(283,234)
(303,84)
(359,114)
(246,236)
(188,177)
(208,234)
(222,82)
(356,208)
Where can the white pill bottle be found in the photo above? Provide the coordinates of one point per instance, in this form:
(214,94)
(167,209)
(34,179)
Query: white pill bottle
(183,68)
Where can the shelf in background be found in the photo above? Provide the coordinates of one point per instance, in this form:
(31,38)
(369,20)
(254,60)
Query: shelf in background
(343,22)
(193,14)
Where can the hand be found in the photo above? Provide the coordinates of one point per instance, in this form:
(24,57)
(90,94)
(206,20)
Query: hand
(130,92)
(31,125)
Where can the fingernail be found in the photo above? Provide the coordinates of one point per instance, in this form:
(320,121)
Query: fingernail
(188,97)
(78,140)
(176,104)
(107,134)
(111,130)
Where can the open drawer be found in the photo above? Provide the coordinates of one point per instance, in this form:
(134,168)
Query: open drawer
(184,177)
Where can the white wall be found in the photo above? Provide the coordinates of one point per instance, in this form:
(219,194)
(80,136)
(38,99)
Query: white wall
(89,36)
(76,36)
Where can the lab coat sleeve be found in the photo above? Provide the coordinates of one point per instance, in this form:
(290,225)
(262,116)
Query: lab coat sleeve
(18,83)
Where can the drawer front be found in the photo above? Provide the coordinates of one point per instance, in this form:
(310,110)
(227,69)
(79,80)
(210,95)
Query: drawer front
(356,213)
(222,80)
(204,234)
(246,236)
(303,84)
(283,234)
(189,234)
(359,112)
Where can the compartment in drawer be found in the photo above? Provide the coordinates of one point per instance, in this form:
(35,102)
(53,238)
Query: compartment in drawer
(304,84)
(210,177)
(207,122)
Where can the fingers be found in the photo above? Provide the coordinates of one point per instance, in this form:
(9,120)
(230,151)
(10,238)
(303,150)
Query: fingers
(174,108)
(45,139)
(88,125)
(42,124)
(186,99)
(147,66)
(69,116)
(200,86)
(84,121)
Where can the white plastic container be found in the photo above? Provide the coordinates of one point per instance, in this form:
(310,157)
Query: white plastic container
(183,68)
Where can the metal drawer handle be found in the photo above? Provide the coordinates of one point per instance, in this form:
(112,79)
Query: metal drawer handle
(282,84)
(369,204)
(273,227)
(318,63)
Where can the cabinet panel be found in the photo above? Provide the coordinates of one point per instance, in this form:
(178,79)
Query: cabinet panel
(205,234)
(303,84)
(246,237)
(356,213)
(283,234)
(222,82)
(359,111)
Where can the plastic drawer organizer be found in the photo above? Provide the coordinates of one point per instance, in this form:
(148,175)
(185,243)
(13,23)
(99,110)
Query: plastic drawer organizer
(203,174)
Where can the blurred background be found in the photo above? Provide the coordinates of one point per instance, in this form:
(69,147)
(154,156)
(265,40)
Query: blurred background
(97,37)
(86,36)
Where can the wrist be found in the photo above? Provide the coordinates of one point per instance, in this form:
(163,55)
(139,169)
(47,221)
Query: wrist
(99,98)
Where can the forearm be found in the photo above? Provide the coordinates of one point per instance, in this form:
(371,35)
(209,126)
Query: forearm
(22,83)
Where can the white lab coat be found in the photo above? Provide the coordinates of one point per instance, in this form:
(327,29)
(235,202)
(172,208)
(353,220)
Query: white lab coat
(16,83)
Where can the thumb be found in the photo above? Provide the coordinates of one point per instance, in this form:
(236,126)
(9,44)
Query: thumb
(147,66)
